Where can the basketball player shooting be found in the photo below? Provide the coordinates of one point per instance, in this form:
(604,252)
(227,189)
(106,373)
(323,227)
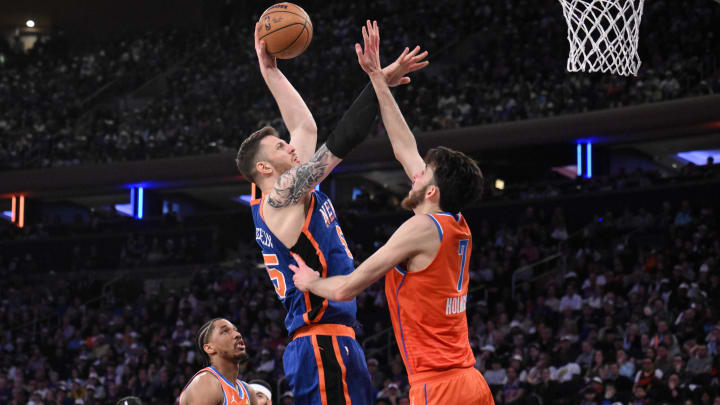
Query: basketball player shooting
(223,349)
(323,363)
(424,262)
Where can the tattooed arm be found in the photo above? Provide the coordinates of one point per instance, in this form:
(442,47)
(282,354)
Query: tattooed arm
(294,184)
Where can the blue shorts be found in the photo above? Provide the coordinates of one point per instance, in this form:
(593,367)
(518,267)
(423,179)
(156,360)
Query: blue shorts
(327,370)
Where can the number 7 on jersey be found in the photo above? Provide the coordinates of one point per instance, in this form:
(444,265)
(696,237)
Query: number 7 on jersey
(462,252)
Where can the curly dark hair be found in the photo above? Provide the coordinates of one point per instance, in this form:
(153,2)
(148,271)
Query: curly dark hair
(458,177)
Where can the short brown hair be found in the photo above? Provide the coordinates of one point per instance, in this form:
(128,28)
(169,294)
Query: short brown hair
(458,177)
(247,154)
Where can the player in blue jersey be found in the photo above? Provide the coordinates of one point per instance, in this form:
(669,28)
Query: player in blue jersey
(324,363)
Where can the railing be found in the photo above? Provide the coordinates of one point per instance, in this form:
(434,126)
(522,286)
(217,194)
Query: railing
(526,272)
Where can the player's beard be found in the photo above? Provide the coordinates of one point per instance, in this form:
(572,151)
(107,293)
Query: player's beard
(414,199)
(242,357)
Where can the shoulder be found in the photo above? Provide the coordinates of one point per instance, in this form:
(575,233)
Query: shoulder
(204,388)
(420,222)
(419,226)
(418,233)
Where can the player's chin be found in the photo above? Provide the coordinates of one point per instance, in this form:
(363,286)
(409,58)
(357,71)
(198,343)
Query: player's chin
(241,356)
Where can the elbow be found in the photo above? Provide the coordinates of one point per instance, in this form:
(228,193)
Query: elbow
(309,126)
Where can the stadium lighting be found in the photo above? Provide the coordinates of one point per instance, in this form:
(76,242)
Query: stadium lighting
(579,160)
(141,192)
(30,23)
(21,214)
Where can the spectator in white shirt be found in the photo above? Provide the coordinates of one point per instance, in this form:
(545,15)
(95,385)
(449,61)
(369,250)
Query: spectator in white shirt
(571,300)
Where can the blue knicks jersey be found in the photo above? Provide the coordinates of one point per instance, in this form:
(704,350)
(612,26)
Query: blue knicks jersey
(322,245)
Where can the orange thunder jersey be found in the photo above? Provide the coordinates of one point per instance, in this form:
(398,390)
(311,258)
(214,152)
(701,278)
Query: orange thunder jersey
(236,393)
(427,307)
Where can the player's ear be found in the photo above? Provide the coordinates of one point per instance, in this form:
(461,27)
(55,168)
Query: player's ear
(432,193)
(209,349)
(263,167)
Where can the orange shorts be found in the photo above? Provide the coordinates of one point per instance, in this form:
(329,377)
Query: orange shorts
(458,386)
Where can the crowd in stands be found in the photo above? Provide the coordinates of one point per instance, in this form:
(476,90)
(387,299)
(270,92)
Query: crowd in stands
(492,61)
(626,314)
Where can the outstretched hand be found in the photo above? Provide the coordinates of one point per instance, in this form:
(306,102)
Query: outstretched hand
(408,62)
(395,73)
(369,54)
(304,275)
(266,60)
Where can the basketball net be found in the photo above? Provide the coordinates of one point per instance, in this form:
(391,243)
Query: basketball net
(603,35)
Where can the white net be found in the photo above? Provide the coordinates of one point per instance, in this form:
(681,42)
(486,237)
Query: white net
(603,35)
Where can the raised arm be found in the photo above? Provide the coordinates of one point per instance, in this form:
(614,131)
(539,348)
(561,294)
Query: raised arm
(401,138)
(416,235)
(352,129)
(295,114)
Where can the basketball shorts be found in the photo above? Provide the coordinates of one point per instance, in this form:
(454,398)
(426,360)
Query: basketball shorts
(464,386)
(325,365)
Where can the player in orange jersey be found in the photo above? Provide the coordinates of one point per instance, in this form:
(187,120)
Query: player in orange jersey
(424,262)
(222,346)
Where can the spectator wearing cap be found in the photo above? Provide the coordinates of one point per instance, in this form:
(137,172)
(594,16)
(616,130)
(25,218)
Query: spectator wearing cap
(287,398)
(391,392)
(482,359)
(516,362)
(563,351)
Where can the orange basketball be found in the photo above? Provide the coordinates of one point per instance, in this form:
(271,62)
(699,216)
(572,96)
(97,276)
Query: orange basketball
(286,30)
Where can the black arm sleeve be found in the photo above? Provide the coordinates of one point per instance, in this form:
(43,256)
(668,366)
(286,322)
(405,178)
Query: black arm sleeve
(355,124)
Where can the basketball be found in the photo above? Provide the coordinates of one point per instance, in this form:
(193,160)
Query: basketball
(286,30)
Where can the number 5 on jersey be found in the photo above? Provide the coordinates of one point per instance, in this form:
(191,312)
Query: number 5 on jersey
(276,276)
